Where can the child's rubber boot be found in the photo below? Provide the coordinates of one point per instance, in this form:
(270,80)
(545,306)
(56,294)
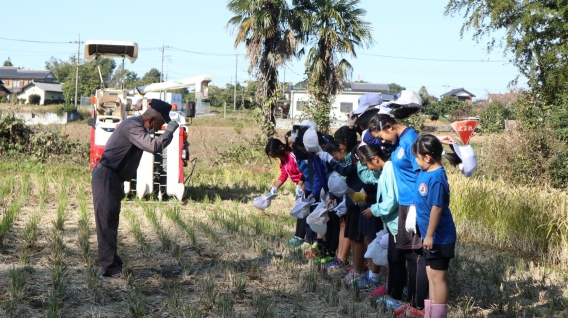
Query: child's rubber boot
(439,310)
(427,308)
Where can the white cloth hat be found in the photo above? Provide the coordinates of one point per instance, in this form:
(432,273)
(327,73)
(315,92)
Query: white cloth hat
(468,158)
(337,185)
(309,123)
(311,140)
(367,101)
(408,99)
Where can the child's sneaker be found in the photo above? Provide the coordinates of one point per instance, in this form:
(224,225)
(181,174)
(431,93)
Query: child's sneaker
(353,277)
(335,265)
(295,242)
(379,292)
(310,255)
(412,312)
(399,312)
(392,304)
(368,282)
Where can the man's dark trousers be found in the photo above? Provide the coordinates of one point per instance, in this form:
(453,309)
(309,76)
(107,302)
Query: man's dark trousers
(108,191)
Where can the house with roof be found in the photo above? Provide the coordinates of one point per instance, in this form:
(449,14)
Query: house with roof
(50,92)
(461,94)
(15,78)
(504,99)
(3,90)
(344,103)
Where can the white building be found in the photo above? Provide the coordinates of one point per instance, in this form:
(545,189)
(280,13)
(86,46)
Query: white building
(345,101)
(47,91)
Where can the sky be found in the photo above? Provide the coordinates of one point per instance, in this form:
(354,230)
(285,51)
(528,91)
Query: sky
(415,44)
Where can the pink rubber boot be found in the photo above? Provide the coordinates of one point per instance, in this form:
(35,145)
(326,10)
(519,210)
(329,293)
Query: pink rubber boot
(427,304)
(439,310)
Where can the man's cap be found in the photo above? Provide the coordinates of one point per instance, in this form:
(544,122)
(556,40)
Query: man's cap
(161,107)
(366,101)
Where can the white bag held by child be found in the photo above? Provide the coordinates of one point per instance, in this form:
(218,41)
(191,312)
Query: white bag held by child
(341,209)
(262,202)
(317,220)
(302,208)
(337,185)
(376,252)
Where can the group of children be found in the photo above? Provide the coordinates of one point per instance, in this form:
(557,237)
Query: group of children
(398,182)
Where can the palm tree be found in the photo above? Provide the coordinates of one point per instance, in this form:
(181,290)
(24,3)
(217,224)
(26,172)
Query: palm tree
(330,29)
(262,25)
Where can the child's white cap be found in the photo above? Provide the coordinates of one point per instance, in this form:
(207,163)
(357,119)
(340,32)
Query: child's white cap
(309,123)
(468,158)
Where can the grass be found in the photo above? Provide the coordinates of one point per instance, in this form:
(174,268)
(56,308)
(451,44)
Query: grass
(217,256)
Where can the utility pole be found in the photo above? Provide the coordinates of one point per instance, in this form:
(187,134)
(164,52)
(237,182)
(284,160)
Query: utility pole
(77,69)
(235,91)
(164,47)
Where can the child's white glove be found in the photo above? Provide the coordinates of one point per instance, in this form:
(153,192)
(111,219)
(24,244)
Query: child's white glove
(274,191)
(299,192)
(411,219)
(324,156)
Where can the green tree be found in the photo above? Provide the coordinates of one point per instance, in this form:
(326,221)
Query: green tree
(89,79)
(493,118)
(444,107)
(330,29)
(128,78)
(535,38)
(152,76)
(395,88)
(60,68)
(8,62)
(263,26)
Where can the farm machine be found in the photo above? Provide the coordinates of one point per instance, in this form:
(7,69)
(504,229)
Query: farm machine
(159,176)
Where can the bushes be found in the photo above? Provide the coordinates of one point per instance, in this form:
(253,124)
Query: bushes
(34,99)
(525,156)
(3,99)
(16,139)
(493,118)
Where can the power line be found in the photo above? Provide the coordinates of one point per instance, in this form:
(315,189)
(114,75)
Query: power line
(432,60)
(33,41)
(204,53)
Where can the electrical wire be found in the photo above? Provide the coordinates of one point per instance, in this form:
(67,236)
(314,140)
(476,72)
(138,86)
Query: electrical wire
(33,41)
(432,60)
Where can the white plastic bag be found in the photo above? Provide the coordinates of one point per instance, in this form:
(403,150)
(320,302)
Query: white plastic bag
(302,208)
(318,219)
(376,252)
(341,209)
(262,202)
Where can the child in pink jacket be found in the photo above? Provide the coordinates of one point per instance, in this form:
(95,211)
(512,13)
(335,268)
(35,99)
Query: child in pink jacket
(288,167)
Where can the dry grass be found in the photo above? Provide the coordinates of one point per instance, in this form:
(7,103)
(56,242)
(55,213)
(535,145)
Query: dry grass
(217,256)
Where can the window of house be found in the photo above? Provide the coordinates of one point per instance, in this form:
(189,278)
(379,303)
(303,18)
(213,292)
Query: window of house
(300,105)
(462,98)
(15,84)
(345,107)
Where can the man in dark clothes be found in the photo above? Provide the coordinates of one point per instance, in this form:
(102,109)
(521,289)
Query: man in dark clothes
(119,163)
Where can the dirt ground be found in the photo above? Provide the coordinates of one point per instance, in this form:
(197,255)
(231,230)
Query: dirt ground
(216,255)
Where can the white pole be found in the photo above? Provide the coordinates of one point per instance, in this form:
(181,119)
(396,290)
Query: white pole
(77,71)
(235,91)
